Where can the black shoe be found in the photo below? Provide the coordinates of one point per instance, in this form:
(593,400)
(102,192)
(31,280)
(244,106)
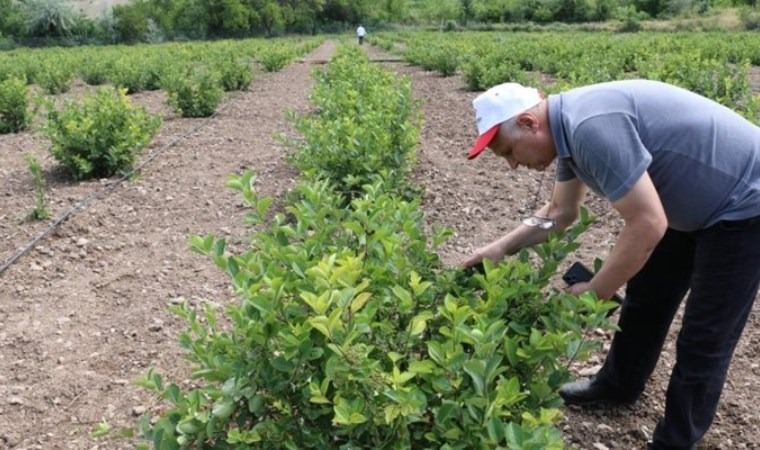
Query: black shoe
(652,446)
(593,393)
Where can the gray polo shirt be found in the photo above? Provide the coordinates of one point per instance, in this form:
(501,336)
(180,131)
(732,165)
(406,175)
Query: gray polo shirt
(703,158)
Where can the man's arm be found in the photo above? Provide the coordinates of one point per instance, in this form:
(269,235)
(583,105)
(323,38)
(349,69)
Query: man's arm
(645,224)
(566,200)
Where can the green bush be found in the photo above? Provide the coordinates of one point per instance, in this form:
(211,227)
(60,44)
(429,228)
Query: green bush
(196,93)
(350,334)
(630,19)
(15,115)
(235,73)
(95,71)
(40,210)
(137,73)
(102,137)
(361,133)
(55,76)
(274,59)
(750,18)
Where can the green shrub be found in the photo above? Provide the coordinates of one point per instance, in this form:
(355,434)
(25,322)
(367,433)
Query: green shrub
(441,59)
(235,73)
(55,77)
(95,72)
(133,75)
(40,211)
(750,18)
(274,59)
(350,334)
(362,133)
(102,137)
(15,115)
(630,19)
(194,94)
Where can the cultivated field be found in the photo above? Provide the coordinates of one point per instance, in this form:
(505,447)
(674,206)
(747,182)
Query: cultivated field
(85,311)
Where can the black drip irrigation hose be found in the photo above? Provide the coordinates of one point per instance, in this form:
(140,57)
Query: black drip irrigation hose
(109,187)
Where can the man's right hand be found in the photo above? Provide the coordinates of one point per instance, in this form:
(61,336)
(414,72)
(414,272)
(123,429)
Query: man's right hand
(493,251)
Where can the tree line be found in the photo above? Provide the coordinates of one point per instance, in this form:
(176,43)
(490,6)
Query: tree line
(158,20)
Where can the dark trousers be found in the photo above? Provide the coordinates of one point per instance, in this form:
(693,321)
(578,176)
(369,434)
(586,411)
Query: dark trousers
(361,40)
(721,266)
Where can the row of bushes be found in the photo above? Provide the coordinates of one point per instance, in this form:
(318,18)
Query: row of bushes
(349,333)
(694,62)
(104,134)
(142,68)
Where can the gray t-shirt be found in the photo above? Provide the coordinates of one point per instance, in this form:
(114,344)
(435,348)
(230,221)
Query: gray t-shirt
(703,158)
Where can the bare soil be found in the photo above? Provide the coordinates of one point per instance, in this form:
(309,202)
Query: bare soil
(85,311)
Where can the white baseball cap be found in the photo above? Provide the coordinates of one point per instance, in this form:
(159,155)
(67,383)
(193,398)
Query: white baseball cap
(497,105)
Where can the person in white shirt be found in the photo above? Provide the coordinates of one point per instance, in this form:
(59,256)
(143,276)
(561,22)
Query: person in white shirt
(360,33)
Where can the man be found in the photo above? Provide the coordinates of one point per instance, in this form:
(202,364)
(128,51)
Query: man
(360,33)
(684,174)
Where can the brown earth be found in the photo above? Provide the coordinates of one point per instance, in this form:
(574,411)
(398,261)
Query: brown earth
(85,311)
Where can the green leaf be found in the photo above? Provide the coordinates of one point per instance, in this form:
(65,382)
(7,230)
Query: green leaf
(418,325)
(446,412)
(359,301)
(223,409)
(283,365)
(495,430)
(476,370)
(405,297)
(435,351)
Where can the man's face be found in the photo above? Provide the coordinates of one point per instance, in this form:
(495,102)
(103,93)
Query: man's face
(527,150)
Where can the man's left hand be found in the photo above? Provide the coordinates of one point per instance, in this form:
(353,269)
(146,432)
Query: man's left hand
(579,288)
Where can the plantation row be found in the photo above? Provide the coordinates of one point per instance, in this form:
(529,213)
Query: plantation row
(144,67)
(349,332)
(715,65)
(104,134)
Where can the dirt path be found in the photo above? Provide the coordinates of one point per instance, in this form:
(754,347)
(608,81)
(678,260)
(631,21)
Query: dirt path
(86,311)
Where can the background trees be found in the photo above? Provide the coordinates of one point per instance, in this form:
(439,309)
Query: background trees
(150,20)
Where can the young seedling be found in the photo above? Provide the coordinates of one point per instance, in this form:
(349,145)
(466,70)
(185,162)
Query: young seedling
(40,211)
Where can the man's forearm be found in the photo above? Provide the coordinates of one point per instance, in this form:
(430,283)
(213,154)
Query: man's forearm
(632,250)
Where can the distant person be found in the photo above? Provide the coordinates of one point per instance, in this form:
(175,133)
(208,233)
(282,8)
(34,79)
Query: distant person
(684,174)
(360,33)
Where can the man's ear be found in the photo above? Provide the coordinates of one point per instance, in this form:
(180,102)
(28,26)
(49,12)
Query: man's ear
(528,120)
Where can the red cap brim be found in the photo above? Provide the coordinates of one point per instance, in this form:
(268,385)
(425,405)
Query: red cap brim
(483,142)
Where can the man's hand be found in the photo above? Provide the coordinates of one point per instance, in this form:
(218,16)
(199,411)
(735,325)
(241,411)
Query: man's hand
(579,288)
(493,251)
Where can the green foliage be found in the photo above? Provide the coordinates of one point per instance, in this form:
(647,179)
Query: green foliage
(194,93)
(15,115)
(270,16)
(11,20)
(40,211)
(95,71)
(235,73)
(131,22)
(137,72)
(101,137)
(750,18)
(482,73)
(275,59)
(361,132)
(55,76)
(440,58)
(712,78)
(45,18)
(630,19)
(350,335)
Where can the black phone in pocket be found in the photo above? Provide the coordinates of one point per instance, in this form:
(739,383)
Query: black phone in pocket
(579,273)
